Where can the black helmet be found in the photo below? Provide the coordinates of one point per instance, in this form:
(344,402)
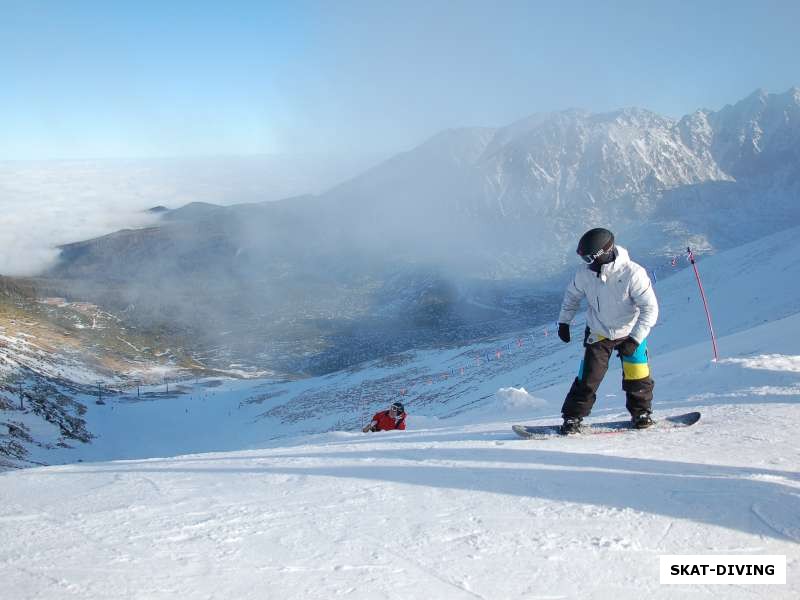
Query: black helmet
(397,407)
(596,245)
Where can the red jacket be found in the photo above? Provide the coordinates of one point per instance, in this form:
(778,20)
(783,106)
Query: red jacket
(385,422)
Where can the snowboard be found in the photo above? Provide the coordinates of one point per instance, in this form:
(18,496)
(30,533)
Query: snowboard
(540,432)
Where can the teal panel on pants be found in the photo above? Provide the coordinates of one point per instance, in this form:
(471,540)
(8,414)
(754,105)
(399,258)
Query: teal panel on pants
(638,357)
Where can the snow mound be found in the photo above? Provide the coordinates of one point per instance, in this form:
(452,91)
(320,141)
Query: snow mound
(768,362)
(511,399)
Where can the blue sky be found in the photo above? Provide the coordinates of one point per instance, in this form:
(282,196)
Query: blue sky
(150,79)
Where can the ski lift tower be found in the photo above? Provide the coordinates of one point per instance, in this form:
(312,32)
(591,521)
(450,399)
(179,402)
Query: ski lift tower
(100,392)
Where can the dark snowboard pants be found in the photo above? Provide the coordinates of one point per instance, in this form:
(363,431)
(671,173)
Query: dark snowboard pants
(636,382)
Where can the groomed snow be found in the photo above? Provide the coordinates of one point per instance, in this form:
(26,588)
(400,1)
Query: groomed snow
(461,512)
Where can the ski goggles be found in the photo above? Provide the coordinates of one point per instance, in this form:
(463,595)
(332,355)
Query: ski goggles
(590,258)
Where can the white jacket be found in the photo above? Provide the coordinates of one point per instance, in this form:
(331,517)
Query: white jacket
(621,299)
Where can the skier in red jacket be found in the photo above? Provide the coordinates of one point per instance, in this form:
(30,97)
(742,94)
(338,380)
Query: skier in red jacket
(387,420)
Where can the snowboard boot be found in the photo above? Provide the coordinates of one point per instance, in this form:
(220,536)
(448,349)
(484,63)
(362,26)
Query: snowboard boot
(571,425)
(642,421)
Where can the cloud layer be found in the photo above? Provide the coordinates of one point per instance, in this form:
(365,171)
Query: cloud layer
(45,204)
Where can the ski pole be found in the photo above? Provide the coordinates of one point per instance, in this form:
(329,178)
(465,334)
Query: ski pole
(705,303)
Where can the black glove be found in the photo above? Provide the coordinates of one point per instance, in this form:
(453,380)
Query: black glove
(628,346)
(563,332)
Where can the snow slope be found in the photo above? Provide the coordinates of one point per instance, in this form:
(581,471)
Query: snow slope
(455,507)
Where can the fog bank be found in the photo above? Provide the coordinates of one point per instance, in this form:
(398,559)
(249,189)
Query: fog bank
(47,203)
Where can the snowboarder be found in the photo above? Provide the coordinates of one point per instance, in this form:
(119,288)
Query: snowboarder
(387,420)
(622,308)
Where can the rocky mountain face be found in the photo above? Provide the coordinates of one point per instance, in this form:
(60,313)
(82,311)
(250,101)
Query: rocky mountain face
(756,144)
(281,280)
(527,190)
(757,137)
(56,355)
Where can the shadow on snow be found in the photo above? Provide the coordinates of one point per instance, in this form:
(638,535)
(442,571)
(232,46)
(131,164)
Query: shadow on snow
(750,500)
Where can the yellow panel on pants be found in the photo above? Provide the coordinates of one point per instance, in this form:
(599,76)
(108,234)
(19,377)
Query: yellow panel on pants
(632,371)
